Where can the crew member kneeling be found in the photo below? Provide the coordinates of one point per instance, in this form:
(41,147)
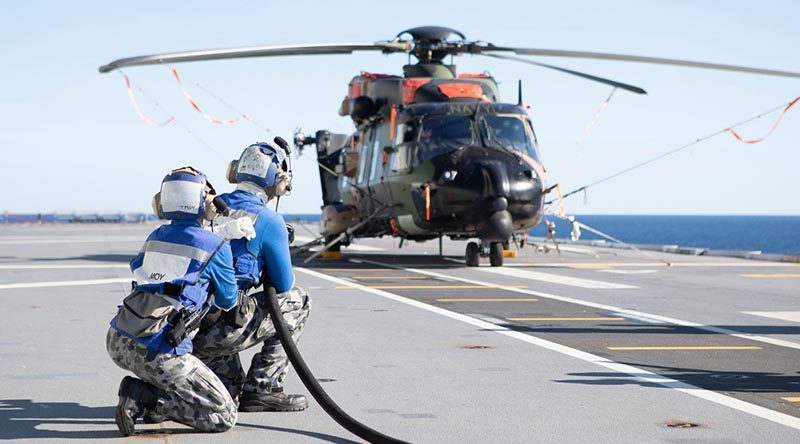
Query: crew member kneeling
(180,272)
(261,173)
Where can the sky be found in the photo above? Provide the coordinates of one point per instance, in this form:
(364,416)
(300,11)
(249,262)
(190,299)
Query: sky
(71,141)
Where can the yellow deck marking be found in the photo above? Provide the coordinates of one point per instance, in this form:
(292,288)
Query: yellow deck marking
(331,255)
(389,277)
(792,399)
(567,319)
(487,300)
(700,347)
(771,275)
(420,287)
(589,267)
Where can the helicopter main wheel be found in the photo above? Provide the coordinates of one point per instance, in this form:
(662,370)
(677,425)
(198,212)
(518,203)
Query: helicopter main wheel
(473,254)
(335,247)
(496,254)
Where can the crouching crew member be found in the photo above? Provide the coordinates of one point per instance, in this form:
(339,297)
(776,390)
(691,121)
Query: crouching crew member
(181,271)
(261,173)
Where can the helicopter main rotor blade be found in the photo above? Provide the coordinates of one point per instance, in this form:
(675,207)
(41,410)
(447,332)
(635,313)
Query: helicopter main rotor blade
(641,59)
(257,51)
(613,83)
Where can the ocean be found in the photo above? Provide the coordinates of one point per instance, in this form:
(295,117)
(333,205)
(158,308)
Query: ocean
(768,234)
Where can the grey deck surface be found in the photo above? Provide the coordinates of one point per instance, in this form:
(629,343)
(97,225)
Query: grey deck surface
(388,337)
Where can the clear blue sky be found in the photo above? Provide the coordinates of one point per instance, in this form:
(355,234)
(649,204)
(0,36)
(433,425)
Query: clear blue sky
(70,140)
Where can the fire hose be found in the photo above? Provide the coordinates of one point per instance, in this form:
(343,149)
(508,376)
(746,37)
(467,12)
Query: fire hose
(331,408)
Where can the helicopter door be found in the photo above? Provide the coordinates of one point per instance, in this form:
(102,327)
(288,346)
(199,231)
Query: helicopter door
(377,184)
(364,166)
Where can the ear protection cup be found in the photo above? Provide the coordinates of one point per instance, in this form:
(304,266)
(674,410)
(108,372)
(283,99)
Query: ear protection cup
(156,204)
(231,173)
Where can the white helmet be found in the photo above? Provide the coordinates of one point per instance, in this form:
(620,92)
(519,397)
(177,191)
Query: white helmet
(263,166)
(186,194)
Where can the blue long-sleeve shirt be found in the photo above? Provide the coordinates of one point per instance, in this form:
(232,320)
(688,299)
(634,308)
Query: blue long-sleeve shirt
(270,246)
(221,274)
(273,242)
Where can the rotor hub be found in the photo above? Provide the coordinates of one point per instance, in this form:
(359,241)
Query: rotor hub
(431,44)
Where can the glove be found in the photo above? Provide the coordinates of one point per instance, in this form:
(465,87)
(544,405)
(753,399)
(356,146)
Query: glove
(229,228)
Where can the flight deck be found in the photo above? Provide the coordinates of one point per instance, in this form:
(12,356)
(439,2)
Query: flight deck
(591,344)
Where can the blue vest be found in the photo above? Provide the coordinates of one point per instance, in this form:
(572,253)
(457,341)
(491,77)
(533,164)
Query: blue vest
(247,265)
(175,256)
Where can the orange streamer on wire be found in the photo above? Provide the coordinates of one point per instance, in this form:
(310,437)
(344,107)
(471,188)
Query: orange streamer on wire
(136,107)
(599,111)
(194,105)
(771,130)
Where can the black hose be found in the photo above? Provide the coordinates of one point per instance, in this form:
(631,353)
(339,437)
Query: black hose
(311,383)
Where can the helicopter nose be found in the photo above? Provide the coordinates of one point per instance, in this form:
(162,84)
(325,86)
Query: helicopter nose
(496,178)
(500,203)
(497,225)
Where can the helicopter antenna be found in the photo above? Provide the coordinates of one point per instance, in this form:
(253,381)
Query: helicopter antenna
(519,92)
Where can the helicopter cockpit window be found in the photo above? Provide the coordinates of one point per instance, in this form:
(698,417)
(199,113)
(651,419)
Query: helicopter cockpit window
(444,134)
(508,132)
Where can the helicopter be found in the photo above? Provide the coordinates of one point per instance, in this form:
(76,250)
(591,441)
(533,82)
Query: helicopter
(435,152)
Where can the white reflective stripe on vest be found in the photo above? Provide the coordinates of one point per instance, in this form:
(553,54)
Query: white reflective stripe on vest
(187,251)
(165,261)
(161,267)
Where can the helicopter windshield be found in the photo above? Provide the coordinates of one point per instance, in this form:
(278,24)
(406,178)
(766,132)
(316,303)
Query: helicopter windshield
(444,134)
(508,132)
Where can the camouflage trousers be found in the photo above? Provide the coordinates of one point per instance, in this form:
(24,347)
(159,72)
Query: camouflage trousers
(188,392)
(218,346)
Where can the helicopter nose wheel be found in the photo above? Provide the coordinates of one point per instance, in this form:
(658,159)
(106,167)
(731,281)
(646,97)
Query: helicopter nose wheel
(474,252)
(472,256)
(496,254)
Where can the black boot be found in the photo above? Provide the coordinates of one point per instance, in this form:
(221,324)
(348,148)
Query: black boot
(277,401)
(151,417)
(135,396)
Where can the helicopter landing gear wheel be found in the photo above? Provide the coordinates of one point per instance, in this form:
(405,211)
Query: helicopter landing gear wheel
(472,255)
(496,254)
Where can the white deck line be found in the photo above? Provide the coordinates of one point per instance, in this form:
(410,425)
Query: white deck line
(65,283)
(717,398)
(71,241)
(724,331)
(59,266)
(740,263)
(790,316)
(556,279)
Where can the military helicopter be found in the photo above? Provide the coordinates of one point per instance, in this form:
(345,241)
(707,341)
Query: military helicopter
(435,152)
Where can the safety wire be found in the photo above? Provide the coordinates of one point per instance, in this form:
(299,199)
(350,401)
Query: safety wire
(250,118)
(572,220)
(172,116)
(785,106)
(576,229)
(255,122)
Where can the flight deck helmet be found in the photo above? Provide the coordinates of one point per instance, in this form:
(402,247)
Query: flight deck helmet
(265,166)
(186,194)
